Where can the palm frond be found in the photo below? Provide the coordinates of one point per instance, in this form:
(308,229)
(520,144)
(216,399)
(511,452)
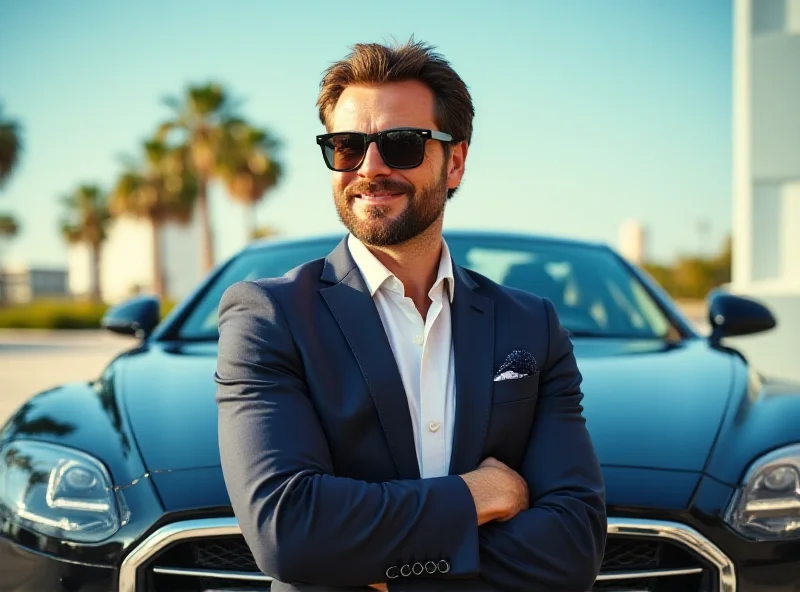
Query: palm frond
(249,165)
(10,146)
(162,188)
(86,215)
(174,103)
(9,226)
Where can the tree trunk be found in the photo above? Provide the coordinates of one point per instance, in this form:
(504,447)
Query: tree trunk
(251,221)
(2,277)
(97,293)
(206,236)
(159,283)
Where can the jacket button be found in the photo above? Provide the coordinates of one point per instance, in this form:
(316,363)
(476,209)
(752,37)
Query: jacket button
(391,573)
(443,566)
(417,568)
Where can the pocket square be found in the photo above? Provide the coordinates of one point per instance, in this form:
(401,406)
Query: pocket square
(518,364)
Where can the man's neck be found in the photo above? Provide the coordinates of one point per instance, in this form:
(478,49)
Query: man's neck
(415,263)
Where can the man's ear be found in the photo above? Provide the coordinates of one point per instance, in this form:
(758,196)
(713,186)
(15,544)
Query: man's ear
(457,159)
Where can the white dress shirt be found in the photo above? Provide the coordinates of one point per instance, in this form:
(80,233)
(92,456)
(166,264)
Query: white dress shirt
(423,350)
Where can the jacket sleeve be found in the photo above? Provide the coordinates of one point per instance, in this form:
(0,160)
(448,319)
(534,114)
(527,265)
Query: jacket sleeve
(558,543)
(302,523)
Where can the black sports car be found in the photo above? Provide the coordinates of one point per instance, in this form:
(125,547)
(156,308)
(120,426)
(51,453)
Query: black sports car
(116,484)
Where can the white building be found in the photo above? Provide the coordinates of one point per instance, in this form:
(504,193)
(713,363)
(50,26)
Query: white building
(20,284)
(766,225)
(127,260)
(632,241)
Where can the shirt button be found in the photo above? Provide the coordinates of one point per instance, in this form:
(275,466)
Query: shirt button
(418,339)
(434,426)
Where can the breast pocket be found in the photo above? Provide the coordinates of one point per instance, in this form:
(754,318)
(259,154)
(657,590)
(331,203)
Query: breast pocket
(512,412)
(512,390)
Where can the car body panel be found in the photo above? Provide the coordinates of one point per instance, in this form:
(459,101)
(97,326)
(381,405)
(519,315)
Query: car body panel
(169,398)
(648,489)
(192,489)
(764,417)
(651,395)
(87,416)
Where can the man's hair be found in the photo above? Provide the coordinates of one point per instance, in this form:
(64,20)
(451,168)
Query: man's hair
(372,63)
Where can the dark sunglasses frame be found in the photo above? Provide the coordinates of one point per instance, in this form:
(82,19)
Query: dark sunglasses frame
(378,138)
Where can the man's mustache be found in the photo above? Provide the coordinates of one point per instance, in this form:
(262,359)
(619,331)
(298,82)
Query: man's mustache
(387,186)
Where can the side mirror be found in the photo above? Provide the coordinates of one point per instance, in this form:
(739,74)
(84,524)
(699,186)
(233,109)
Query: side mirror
(137,316)
(731,316)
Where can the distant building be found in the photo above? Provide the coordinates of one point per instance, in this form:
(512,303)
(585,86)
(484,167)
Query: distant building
(20,284)
(766,126)
(633,241)
(126,267)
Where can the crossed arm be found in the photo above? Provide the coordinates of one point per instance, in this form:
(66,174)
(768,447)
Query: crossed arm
(304,524)
(558,543)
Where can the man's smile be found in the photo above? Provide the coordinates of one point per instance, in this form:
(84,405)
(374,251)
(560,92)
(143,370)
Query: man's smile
(378,198)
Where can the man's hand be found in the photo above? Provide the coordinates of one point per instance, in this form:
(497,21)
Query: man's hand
(381,587)
(499,492)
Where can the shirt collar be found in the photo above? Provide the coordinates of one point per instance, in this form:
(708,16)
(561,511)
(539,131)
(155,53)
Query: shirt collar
(376,275)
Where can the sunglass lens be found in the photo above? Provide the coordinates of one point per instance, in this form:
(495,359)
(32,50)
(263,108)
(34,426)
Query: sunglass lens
(344,151)
(403,149)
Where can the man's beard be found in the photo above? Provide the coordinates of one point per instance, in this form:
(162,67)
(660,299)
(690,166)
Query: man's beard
(423,208)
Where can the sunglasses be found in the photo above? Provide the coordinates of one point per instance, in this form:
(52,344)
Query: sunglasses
(400,148)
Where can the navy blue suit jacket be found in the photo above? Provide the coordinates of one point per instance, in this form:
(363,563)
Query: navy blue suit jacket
(318,452)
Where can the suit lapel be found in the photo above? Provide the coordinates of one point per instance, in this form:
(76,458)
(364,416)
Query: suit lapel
(473,344)
(354,310)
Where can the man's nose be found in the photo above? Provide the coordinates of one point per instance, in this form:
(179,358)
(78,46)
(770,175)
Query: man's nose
(373,165)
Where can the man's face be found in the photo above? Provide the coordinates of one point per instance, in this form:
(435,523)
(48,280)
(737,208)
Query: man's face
(382,206)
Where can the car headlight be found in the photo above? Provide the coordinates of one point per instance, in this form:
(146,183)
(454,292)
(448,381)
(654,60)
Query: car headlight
(767,506)
(58,491)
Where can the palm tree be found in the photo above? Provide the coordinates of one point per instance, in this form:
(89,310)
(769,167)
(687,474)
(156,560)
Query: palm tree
(200,118)
(163,190)
(86,220)
(10,150)
(248,166)
(10,147)
(9,227)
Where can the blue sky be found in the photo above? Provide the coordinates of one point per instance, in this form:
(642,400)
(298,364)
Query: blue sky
(587,112)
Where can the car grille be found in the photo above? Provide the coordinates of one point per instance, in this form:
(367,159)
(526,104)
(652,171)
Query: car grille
(652,559)
(225,553)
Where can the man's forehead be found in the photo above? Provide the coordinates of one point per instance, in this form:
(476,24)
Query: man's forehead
(375,107)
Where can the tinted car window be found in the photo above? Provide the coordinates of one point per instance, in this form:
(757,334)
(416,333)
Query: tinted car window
(593,292)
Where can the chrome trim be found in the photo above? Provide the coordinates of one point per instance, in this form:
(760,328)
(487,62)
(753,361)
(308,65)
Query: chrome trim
(253,576)
(213,527)
(167,535)
(652,573)
(686,536)
(250,576)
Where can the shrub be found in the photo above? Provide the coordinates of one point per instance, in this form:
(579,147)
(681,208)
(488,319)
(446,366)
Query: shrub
(59,314)
(52,314)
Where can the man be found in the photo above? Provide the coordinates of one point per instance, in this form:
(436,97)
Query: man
(387,418)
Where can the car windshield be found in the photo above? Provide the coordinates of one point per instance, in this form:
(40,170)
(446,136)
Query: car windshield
(594,293)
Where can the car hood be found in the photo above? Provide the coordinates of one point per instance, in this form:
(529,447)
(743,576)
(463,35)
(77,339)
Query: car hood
(646,405)
(652,405)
